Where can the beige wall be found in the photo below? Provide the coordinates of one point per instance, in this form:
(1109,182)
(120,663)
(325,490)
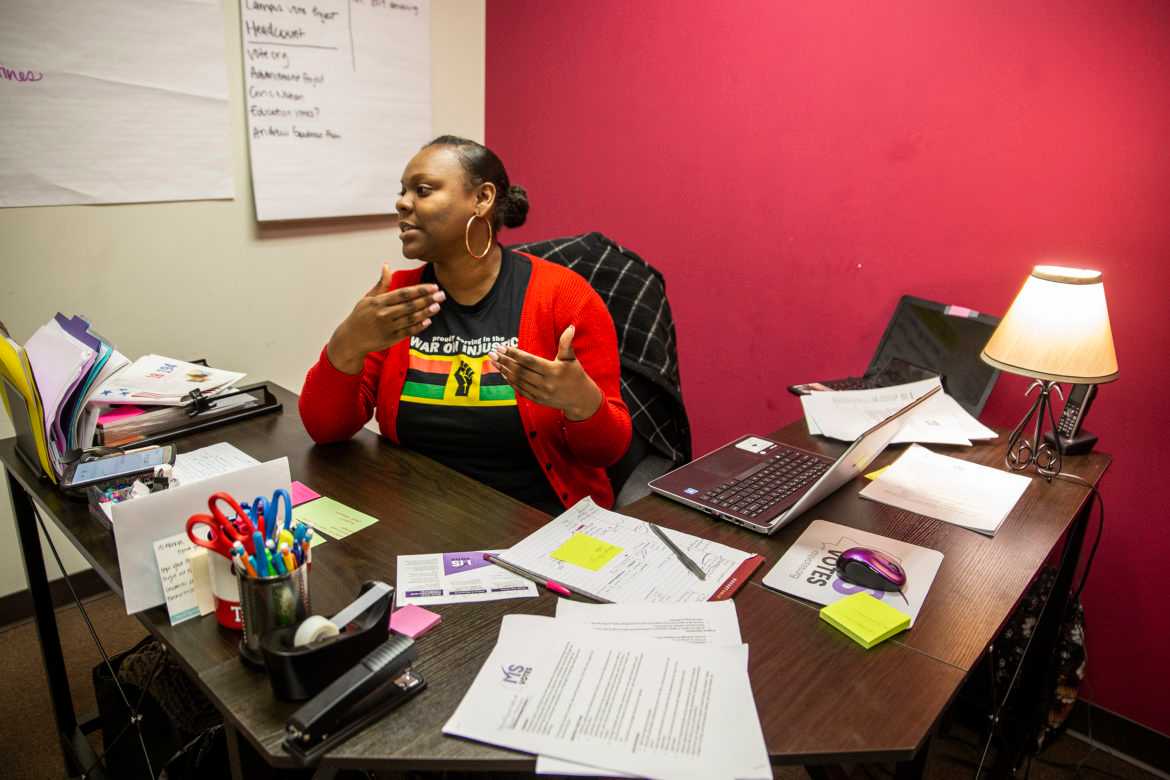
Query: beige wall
(202,279)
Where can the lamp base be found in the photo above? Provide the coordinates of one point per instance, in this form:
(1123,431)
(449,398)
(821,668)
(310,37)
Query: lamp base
(1079,444)
(1036,451)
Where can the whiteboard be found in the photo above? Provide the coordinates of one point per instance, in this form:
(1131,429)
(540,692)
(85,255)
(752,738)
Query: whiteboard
(338,96)
(113,101)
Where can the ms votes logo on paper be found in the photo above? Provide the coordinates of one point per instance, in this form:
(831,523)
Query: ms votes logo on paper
(516,674)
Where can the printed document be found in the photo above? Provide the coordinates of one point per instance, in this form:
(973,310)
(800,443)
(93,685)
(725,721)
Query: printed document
(846,414)
(612,557)
(651,708)
(457,578)
(712,622)
(949,489)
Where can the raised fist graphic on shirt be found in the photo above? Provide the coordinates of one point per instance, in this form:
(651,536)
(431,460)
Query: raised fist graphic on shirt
(464,375)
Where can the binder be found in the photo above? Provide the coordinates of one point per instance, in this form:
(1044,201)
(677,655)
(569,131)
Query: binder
(23,404)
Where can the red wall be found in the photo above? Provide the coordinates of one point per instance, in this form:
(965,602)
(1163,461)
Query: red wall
(794,167)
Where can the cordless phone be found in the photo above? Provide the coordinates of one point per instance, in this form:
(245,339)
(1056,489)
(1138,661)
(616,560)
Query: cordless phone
(1071,439)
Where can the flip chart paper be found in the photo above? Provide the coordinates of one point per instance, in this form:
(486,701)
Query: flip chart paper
(339,99)
(113,101)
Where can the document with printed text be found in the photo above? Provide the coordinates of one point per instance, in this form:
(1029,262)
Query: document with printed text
(647,707)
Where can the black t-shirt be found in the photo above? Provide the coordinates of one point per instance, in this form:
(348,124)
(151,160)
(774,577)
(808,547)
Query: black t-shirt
(456,408)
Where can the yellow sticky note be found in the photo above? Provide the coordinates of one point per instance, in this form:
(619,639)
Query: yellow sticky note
(586,551)
(865,619)
(876,473)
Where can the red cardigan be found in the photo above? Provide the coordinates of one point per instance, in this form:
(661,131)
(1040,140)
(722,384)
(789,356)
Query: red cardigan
(335,405)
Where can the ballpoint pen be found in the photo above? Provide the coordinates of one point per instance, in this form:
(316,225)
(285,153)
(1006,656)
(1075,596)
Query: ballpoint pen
(678,553)
(552,585)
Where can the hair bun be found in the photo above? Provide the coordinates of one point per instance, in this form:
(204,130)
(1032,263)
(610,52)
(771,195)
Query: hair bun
(515,207)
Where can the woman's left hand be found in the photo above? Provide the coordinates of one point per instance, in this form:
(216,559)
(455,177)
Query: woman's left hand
(560,383)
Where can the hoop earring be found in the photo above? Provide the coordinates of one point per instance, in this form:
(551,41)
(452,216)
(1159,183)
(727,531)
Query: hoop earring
(467,237)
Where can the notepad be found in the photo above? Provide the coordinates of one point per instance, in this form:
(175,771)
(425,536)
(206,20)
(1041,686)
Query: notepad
(864,619)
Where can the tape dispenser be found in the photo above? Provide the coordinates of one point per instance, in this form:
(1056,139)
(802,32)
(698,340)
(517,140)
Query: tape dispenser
(304,658)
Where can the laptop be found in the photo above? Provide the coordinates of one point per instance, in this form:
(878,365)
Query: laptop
(764,484)
(924,339)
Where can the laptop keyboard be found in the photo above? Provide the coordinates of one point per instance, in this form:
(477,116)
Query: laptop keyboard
(758,490)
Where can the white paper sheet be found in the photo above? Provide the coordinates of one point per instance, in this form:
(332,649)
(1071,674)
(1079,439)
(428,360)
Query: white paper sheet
(138,523)
(846,414)
(955,491)
(339,99)
(113,101)
(808,568)
(709,623)
(210,461)
(162,381)
(456,578)
(643,570)
(650,708)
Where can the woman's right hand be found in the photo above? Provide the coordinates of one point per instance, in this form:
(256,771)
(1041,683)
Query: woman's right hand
(382,319)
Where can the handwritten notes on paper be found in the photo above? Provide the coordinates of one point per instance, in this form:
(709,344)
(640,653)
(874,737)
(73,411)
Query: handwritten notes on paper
(338,95)
(113,101)
(178,582)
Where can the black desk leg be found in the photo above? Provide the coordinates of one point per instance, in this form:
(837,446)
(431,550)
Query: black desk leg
(79,756)
(1038,675)
(915,768)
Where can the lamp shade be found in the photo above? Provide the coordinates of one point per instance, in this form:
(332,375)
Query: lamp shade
(1056,329)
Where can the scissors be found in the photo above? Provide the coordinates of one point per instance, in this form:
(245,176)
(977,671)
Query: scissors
(223,530)
(264,513)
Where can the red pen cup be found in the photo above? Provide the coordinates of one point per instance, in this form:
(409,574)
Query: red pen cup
(225,590)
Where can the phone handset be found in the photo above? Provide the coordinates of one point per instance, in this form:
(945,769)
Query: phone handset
(1070,436)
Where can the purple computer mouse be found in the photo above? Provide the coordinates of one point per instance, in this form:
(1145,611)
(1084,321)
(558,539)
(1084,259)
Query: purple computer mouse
(871,569)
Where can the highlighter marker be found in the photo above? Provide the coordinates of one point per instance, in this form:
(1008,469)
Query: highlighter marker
(261,557)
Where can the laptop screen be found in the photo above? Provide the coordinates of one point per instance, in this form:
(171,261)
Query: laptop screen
(946,340)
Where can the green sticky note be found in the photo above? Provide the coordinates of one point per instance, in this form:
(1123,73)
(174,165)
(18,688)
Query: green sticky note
(586,551)
(332,517)
(864,619)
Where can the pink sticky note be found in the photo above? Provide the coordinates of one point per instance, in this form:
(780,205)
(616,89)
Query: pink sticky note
(413,621)
(302,493)
(119,413)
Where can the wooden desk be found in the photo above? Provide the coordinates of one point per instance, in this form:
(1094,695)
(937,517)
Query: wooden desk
(821,698)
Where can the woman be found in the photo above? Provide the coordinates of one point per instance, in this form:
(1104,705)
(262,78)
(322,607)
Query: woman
(498,364)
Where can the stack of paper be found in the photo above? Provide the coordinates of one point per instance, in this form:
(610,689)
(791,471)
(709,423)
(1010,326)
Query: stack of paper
(949,489)
(68,375)
(652,690)
(163,381)
(846,414)
(611,557)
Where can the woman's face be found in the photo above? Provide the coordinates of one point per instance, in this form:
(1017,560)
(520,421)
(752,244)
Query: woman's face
(435,204)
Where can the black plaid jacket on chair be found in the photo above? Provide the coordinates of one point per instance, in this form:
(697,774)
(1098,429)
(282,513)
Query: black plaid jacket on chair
(635,294)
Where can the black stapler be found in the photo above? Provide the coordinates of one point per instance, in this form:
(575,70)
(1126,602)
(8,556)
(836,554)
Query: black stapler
(380,682)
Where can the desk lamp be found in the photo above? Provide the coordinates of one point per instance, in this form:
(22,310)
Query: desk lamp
(1057,330)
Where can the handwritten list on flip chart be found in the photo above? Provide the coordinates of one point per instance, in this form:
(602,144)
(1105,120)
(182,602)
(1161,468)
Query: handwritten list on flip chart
(338,97)
(113,101)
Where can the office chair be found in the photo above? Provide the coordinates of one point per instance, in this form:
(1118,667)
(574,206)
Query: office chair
(635,294)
